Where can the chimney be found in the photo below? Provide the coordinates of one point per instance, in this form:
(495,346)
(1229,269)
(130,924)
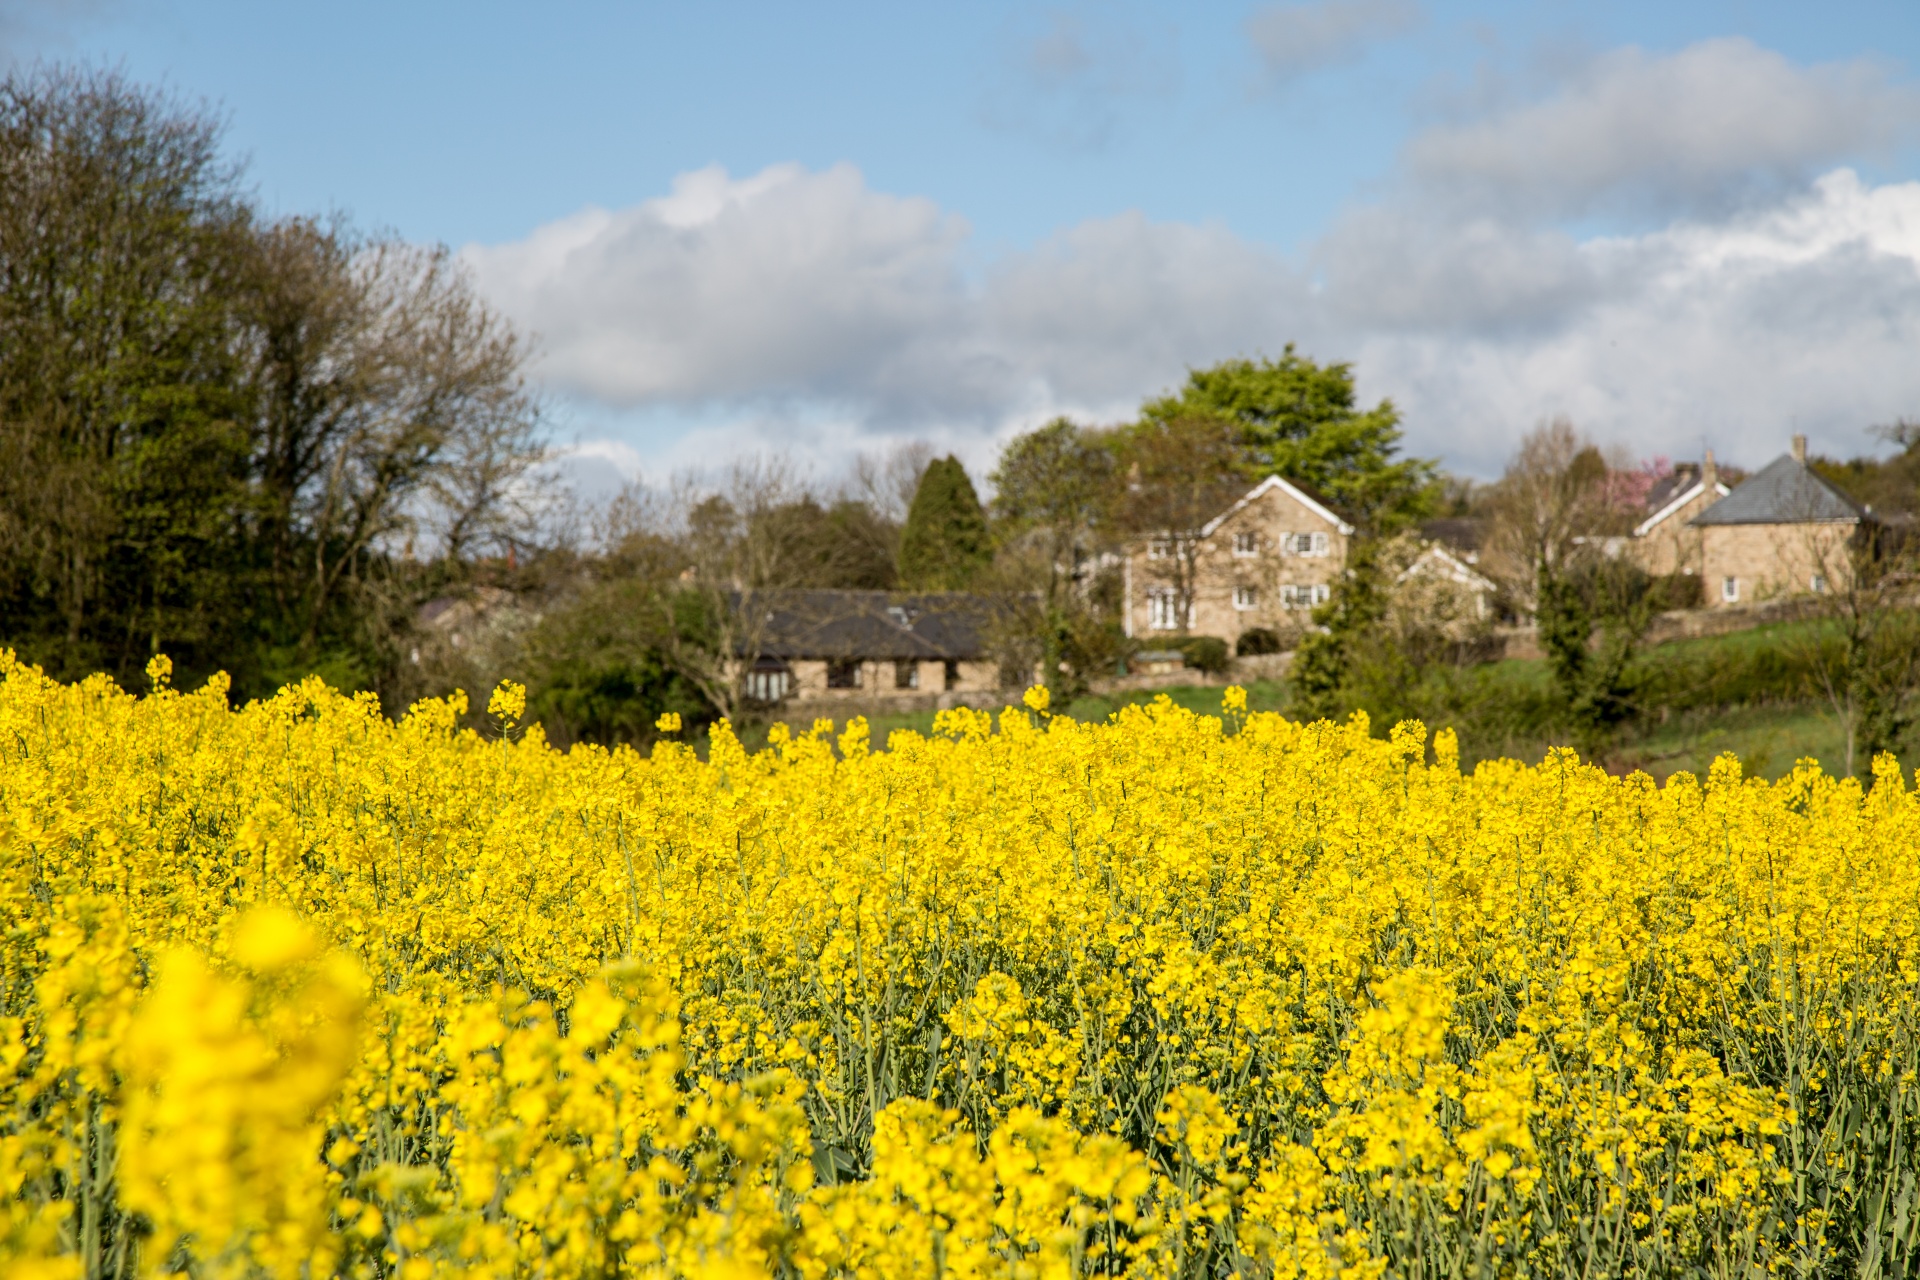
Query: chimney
(1709,474)
(1800,450)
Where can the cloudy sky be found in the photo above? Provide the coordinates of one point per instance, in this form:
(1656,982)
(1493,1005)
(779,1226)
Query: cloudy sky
(818,229)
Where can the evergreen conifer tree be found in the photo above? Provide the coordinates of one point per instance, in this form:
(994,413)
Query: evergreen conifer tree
(945,544)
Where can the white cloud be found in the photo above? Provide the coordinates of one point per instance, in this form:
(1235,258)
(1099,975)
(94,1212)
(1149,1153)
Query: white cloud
(1716,121)
(1730,332)
(802,312)
(785,283)
(809,290)
(1296,39)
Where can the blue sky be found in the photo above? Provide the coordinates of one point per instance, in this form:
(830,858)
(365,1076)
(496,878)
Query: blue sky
(832,228)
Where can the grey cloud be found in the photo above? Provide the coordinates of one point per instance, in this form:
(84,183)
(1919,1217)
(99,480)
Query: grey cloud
(1096,308)
(1699,128)
(1068,77)
(1399,267)
(1295,39)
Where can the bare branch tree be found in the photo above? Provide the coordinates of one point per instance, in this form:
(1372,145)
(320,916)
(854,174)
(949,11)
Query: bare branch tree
(1865,654)
(1181,472)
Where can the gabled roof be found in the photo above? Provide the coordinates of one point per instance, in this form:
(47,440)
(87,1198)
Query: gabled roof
(1783,492)
(1293,491)
(869,624)
(1683,476)
(1687,495)
(1450,566)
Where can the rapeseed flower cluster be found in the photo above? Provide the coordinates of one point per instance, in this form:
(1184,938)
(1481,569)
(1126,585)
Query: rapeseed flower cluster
(296,990)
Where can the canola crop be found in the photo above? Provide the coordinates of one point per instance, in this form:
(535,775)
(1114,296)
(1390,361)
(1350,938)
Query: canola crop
(297,990)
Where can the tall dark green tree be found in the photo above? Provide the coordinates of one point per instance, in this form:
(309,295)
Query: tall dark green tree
(1302,420)
(945,545)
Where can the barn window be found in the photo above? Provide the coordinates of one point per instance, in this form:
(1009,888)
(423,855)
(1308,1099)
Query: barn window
(769,680)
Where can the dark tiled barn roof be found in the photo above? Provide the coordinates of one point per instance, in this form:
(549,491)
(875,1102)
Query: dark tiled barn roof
(1783,492)
(870,624)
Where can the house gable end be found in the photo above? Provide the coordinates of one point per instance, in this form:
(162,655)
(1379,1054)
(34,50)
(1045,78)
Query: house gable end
(1677,505)
(1274,485)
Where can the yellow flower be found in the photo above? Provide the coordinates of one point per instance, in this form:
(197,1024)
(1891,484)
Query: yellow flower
(1036,698)
(509,701)
(669,722)
(312,991)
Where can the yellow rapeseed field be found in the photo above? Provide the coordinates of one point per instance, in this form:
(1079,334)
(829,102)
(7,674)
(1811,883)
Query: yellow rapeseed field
(298,990)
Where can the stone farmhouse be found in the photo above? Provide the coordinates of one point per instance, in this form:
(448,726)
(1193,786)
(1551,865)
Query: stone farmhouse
(1784,531)
(1667,541)
(864,645)
(1265,562)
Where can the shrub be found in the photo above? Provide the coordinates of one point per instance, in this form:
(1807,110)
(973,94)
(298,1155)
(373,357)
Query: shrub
(1677,591)
(1256,641)
(1203,653)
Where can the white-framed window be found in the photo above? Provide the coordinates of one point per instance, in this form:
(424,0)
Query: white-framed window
(1730,589)
(1245,598)
(1818,584)
(1304,596)
(1163,609)
(1246,544)
(768,682)
(1304,544)
(1159,548)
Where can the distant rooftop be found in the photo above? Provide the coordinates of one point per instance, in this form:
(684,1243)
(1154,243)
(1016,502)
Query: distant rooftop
(1683,477)
(821,623)
(1785,491)
(1461,533)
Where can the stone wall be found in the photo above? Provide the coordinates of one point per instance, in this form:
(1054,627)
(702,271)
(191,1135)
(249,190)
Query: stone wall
(1770,561)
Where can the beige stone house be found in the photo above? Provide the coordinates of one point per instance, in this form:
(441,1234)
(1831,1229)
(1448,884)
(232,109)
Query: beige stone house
(1784,531)
(1441,585)
(1668,541)
(866,645)
(1265,562)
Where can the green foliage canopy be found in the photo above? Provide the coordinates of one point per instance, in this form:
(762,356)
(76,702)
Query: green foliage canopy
(1301,420)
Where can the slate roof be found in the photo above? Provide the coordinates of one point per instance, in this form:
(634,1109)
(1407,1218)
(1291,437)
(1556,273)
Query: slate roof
(1460,533)
(873,625)
(1782,492)
(1683,477)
